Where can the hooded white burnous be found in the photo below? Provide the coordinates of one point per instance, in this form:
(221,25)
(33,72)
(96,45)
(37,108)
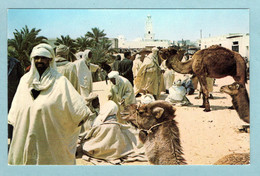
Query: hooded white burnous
(66,68)
(45,128)
(149,76)
(108,139)
(84,69)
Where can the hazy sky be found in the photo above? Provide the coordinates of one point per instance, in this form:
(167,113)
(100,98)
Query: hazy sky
(171,24)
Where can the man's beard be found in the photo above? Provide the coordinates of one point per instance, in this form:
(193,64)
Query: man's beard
(41,67)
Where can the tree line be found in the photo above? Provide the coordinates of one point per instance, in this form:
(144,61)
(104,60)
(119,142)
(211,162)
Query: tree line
(25,39)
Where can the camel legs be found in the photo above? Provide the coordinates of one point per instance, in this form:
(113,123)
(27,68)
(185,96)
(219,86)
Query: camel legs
(205,92)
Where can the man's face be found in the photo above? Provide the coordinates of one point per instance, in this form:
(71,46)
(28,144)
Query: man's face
(90,55)
(113,80)
(42,63)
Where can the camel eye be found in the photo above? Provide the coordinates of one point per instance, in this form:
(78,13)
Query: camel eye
(141,112)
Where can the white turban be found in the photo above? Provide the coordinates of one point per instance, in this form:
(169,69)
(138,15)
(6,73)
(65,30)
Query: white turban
(113,74)
(148,98)
(62,50)
(44,50)
(108,109)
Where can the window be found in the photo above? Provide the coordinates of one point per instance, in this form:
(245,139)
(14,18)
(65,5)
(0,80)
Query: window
(235,48)
(148,32)
(235,43)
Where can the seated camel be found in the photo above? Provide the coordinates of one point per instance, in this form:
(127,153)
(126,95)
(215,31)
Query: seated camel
(158,131)
(240,101)
(213,62)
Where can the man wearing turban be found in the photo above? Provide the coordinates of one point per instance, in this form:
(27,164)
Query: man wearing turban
(46,113)
(121,92)
(66,68)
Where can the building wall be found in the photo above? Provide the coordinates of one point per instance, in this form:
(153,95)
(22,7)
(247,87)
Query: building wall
(230,41)
(114,42)
(143,44)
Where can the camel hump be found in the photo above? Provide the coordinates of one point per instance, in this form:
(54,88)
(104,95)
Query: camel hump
(209,57)
(219,50)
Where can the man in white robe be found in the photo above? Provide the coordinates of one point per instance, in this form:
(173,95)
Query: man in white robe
(84,69)
(168,76)
(121,92)
(46,113)
(108,139)
(66,68)
(149,76)
(136,67)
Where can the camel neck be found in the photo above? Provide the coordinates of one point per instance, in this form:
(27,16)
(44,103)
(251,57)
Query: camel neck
(241,103)
(182,67)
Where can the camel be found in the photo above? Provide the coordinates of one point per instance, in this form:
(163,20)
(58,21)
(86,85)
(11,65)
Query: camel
(158,132)
(240,101)
(234,159)
(213,62)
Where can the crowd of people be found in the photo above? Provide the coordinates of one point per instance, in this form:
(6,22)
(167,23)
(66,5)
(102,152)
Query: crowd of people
(53,111)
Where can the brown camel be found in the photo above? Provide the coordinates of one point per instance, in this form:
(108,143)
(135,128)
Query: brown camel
(158,132)
(213,62)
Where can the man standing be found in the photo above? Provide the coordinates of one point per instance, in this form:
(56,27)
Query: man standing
(116,63)
(125,67)
(136,67)
(149,75)
(66,68)
(84,69)
(168,76)
(46,113)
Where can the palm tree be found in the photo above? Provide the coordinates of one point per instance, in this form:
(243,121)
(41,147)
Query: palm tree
(22,44)
(102,51)
(83,43)
(69,43)
(96,35)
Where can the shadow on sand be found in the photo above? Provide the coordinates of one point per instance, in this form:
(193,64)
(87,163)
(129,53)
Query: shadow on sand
(212,107)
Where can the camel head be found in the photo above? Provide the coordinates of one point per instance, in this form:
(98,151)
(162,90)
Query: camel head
(232,89)
(144,116)
(171,55)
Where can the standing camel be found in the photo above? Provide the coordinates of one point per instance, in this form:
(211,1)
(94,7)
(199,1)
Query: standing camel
(213,62)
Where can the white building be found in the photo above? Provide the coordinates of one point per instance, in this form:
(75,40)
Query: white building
(237,42)
(148,41)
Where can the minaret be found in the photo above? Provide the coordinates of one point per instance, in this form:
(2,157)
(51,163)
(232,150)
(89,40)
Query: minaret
(149,35)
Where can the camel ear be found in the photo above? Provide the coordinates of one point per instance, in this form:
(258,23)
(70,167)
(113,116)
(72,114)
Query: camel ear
(158,112)
(237,86)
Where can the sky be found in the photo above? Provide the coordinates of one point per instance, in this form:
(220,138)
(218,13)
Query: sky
(170,24)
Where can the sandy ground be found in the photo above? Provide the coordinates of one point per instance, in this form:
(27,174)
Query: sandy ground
(205,136)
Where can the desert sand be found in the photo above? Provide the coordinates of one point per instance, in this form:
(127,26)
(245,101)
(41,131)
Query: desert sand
(205,136)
